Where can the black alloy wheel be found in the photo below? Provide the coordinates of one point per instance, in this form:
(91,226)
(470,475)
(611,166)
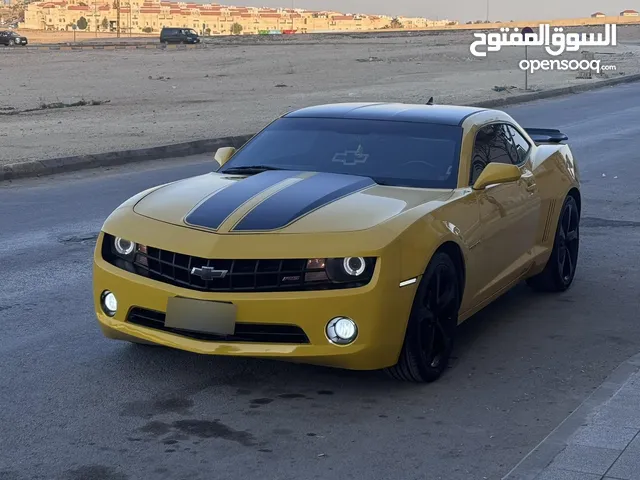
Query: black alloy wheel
(560,270)
(432,326)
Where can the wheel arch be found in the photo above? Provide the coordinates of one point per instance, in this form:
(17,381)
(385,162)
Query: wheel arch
(453,250)
(575,193)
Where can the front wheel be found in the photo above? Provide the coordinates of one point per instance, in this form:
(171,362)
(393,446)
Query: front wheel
(432,324)
(12,43)
(560,270)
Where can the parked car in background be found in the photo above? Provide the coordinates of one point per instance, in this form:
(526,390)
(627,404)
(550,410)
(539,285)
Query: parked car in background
(178,35)
(11,39)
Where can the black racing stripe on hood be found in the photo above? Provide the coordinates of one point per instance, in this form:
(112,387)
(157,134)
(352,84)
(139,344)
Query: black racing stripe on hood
(299,199)
(216,209)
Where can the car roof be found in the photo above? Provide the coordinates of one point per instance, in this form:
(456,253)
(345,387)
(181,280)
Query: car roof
(399,112)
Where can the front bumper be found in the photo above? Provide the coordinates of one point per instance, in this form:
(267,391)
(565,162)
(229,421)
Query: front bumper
(380,309)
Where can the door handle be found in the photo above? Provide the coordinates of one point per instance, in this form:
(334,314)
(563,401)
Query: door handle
(529,183)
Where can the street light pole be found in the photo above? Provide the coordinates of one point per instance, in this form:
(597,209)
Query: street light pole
(487,10)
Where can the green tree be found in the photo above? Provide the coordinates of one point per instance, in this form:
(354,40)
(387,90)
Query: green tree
(105,24)
(236,29)
(82,23)
(395,23)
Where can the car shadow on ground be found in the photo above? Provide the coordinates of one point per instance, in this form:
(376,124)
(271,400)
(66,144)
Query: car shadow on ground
(160,364)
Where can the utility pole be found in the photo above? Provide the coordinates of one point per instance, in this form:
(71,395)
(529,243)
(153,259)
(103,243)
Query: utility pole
(95,16)
(487,10)
(118,18)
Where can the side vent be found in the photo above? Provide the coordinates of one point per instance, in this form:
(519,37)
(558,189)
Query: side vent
(548,223)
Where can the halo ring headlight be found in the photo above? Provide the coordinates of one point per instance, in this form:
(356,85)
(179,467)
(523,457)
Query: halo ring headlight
(354,266)
(124,247)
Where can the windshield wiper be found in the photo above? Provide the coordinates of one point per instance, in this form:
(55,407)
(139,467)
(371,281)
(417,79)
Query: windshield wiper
(250,169)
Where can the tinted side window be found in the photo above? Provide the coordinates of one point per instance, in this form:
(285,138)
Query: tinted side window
(493,144)
(520,145)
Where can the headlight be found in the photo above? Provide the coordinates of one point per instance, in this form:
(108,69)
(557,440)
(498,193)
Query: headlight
(124,247)
(354,266)
(340,270)
(124,253)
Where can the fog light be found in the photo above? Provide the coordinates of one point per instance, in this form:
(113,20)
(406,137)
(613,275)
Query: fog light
(109,303)
(342,330)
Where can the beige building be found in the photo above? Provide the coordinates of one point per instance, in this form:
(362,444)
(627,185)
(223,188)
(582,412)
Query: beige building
(150,16)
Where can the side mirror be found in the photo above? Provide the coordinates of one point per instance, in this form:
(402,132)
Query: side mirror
(223,154)
(496,173)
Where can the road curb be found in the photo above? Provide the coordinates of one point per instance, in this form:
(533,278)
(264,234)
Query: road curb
(81,162)
(51,166)
(69,47)
(547,450)
(556,92)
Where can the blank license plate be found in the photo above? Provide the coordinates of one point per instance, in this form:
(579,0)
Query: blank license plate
(217,318)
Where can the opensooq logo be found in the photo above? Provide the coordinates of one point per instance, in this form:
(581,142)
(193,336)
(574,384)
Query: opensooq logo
(570,42)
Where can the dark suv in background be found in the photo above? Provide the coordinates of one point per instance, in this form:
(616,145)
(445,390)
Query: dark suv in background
(10,39)
(178,35)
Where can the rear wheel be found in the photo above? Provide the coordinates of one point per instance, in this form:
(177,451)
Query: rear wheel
(560,270)
(432,326)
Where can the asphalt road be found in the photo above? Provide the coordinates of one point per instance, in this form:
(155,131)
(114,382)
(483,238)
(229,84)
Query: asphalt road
(74,405)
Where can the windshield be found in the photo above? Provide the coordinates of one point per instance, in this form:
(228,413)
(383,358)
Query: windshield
(391,153)
(191,32)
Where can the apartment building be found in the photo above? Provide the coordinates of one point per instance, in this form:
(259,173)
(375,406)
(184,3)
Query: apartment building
(150,16)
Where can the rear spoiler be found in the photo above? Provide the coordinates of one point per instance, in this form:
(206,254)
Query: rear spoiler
(546,135)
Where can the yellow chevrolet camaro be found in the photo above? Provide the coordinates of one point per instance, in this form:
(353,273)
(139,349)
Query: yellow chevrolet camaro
(348,235)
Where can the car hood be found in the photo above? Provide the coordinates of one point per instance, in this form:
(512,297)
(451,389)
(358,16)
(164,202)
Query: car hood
(281,202)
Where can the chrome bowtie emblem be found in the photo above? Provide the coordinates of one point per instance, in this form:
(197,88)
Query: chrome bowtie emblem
(208,273)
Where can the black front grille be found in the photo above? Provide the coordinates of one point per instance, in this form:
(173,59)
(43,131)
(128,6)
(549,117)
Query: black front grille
(247,275)
(244,332)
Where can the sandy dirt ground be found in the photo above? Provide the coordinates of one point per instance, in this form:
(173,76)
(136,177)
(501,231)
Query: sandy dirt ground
(38,37)
(236,85)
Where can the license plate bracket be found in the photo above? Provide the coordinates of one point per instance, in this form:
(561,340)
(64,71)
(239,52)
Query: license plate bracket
(217,318)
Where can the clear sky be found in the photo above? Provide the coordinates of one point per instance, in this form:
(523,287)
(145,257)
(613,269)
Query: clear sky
(462,10)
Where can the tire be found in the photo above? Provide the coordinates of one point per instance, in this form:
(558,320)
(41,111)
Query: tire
(12,43)
(432,325)
(560,270)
